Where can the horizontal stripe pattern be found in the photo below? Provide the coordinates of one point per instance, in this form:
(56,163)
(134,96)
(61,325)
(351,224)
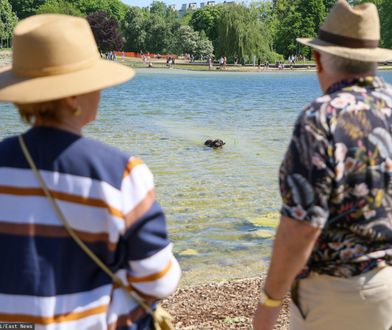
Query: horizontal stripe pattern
(37,210)
(53,231)
(152,277)
(47,307)
(156,275)
(63,182)
(140,209)
(7,190)
(136,186)
(132,163)
(109,200)
(55,318)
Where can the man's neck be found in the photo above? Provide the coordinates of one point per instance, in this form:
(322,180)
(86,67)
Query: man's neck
(326,81)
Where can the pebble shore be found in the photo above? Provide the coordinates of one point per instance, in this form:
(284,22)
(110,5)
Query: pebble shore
(218,306)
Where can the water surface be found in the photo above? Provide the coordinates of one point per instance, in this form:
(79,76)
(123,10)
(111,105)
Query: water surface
(221,205)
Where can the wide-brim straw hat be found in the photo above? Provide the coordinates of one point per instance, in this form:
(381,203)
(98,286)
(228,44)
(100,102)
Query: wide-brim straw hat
(352,33)
(56,56)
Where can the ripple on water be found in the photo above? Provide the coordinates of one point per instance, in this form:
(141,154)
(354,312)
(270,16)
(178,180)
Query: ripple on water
(221,205)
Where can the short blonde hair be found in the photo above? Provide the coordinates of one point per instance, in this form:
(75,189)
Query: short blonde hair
(49,110)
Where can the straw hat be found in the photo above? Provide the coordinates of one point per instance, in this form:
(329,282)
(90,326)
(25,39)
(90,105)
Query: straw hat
(55,56)
(351,32)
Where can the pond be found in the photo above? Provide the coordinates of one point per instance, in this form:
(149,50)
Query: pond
(221,205)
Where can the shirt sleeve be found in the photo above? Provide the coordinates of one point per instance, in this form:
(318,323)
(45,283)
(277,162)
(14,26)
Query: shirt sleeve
(152,268)
(306,175)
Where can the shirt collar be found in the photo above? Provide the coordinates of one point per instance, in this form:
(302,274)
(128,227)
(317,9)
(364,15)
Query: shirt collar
(373,82)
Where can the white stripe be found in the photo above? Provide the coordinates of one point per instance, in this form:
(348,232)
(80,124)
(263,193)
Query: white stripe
(93,322)
(50,306)
(37,210)
(153,264)
(135,187)
(164,286)
(66,183)
(121,304)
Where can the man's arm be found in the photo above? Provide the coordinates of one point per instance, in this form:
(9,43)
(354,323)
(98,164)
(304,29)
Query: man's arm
(292,247)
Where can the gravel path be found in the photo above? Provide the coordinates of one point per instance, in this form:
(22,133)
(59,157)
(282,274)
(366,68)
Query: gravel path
(225,305)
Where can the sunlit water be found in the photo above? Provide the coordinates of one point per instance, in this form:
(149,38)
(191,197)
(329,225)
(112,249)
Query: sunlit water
(221,205)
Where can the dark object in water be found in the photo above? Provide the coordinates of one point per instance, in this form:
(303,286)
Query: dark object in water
(214,143)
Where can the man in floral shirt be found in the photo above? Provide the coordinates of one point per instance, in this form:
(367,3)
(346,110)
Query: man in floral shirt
(334,242)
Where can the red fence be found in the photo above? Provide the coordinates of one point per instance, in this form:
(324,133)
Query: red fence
(134,54)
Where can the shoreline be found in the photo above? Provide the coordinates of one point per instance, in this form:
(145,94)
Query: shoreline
(220,305)
(202,67)
(6,59)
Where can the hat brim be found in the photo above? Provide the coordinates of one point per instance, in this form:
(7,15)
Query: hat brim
(101,75)
(359,54)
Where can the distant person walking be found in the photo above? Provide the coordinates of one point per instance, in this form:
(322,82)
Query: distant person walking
(210,65)
(333,246)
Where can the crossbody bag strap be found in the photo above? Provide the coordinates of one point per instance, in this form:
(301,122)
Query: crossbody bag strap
(72,233)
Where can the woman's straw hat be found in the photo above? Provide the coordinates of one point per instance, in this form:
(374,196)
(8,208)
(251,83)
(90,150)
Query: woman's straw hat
(55,56)
(351,32)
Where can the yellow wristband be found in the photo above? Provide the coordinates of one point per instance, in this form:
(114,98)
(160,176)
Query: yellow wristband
(268,302)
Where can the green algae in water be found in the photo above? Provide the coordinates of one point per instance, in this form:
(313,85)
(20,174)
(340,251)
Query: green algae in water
(188,252)
(266,220)
(266,234)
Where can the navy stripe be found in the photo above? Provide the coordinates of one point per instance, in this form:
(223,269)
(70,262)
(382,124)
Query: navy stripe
(64,152)
(149,234)
(41,266)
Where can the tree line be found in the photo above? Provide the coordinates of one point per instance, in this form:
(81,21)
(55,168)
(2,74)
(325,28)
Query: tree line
(264,29)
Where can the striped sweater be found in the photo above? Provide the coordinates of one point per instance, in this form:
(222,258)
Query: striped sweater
(108,199)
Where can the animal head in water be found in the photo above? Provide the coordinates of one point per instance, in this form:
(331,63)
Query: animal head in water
(214,143)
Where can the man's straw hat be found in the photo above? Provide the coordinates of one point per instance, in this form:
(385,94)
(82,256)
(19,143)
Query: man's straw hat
(351,32)
(55,56)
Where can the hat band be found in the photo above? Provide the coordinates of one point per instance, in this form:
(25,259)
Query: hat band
(54,70)
(347,41)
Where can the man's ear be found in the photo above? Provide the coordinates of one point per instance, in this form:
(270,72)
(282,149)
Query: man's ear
(317,58)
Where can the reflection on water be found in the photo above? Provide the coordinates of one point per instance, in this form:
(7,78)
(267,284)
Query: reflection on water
(221,204)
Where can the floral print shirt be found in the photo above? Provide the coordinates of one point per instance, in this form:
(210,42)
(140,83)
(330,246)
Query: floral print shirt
(337,175)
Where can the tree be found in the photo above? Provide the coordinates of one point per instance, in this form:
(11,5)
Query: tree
(114,8)
(158,34)
(158,8)
(106,31)
(289,29)
(25,8)
(204,46)
(58,7)
(192,42)
(206,19)
(8,21)
(133,29)
(299,18)
(328,4)
(242,34)
(386,23)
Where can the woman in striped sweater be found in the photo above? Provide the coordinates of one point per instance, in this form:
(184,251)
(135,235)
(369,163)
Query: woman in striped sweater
(106,195)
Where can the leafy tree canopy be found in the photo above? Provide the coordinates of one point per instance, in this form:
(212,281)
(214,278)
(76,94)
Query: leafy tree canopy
(25,8)
(206,19)
(192,42)
(386,23)
(8,20)
(133,29)
(58,7)
(106,31)
(242,34)
(297,18)
(115,8)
